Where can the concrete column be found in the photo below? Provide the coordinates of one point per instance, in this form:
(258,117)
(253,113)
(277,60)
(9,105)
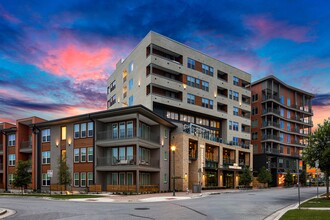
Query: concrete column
(251,160)
(137,181)
(220,156)
(236,156)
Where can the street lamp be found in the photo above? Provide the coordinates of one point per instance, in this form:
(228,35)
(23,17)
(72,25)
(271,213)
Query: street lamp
(173,150)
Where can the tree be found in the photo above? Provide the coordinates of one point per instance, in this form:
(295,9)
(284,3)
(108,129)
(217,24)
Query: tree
(264,176)
(22,177)
(288,178)
(64,176)
(246,177)
(319,149)
(303,177)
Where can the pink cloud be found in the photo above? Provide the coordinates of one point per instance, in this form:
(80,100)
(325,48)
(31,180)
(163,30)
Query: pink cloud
(320,113)
(7,16)
(267,29)
(78,63)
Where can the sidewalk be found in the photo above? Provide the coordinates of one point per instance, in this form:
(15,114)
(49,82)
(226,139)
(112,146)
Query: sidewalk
(156,197)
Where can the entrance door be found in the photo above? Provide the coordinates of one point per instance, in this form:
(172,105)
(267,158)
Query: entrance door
(211,178)
(229,179)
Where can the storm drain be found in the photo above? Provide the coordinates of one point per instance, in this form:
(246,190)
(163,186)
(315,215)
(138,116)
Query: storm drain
(141,208)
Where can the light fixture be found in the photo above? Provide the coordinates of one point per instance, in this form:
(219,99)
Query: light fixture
(69,142)
(162,143)
(173,148)
(56,143)
(184,86)
(215,95)
(139,83)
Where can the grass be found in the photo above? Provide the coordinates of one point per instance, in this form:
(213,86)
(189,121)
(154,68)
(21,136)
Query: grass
(304,214)
(78,196)
(319,202)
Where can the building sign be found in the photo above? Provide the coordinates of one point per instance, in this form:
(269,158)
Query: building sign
(235,167)
(202,147)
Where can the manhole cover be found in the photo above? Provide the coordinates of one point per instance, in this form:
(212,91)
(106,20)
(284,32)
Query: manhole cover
(141,208)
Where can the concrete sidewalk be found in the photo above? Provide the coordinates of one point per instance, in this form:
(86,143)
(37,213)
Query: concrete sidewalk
(156,197)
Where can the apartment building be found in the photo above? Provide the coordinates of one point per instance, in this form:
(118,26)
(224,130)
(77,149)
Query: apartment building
(206,99)
(281,123)
(124,149)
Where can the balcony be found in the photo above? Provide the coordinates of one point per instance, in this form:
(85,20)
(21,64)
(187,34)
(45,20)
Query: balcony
(228,161)
(26,147)
(211,164)
(270,97)
(270,123)
(1,149)
(271,137)
(164,53)
(222,76)
(128,163)
(271,110)
(246,99)
(272,151)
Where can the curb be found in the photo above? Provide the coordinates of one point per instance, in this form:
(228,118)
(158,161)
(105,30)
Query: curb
(3,211)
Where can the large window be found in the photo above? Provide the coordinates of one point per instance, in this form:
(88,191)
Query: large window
(235,140)
(46,135)
(83,130)
(90,178)
(63,133)
(235,80)
(187,118)
(129,128)
(83,179)
(235,111)
(46,157)
(76,155)
(235,97)
(112,85)
(45,179)
(172,115)
(12,159)
(191,63)
(190,81)
(207,69)
(130,84)
(115,131)
(12,140)
(122,130)
(193,149)
(190,98)
(76,131)
(144,154)
(114,178)
(207,103)
(235,126)
(76,179)
(90,154)
(205,86)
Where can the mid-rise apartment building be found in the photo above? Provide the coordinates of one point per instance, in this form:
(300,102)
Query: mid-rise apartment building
(281,123)
(206,99)
(124,149)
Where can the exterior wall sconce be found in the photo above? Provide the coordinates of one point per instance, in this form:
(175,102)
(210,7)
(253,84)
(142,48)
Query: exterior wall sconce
(215,95)
(162,143)
(184,86)
(56,143)
(69,142)
(139,83)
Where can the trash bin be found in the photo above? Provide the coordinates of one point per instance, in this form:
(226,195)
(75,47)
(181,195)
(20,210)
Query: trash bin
(196,188)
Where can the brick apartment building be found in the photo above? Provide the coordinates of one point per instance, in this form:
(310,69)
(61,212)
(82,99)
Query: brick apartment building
(206,99)
(281,123)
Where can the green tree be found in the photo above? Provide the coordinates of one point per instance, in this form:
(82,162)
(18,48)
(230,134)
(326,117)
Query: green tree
(303,177)
(22,177)
(264,176)
(319,149)
(245,177)
(288,178)
(64,175)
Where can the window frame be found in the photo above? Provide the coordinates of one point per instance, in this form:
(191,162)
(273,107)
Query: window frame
(90,154)
(83,154)
(83,181)
(76,133)
(45,134)
(76,156)
(90,125)
(76,180)
(45,155)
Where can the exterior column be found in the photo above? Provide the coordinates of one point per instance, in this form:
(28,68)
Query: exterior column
(236,156)
(137,181)
(220,156)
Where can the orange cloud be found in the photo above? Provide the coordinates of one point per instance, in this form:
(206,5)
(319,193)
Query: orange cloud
(320,113)
(78,63)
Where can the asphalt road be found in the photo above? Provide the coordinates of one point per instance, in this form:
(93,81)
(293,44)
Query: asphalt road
(239,205)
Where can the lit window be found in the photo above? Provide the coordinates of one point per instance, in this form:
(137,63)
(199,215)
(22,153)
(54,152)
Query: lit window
(63,133)
(45,179)
(131,67)
(130,84)
(90,129)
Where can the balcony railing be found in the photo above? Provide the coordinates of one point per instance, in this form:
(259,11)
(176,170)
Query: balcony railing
(227,161)
(272,151)
(108,136)
(272,110)
(26,145)
(270,123)
(211,164)
(200,131)
(268,96)
(242,162)
(273,137)
(128,161)
(1,147)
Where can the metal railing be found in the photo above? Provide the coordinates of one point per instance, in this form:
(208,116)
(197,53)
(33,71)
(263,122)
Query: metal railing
(269,96)
(273,137)
(272,110)
(108,136)
(128,161)
(270,123)
(201,132)
(227,161)
(211,164)
(26,145)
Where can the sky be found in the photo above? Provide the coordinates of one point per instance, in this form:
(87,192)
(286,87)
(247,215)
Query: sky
(56,56)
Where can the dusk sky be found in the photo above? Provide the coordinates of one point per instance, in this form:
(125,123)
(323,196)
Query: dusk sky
(55,56)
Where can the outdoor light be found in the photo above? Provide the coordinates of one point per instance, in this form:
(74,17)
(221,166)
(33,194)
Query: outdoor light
(56,143)
(69,142)
(184,86)
(173,150)
(139,83)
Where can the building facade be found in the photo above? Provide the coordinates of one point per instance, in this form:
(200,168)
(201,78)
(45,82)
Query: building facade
(281,123)
(208,100)
(116,150)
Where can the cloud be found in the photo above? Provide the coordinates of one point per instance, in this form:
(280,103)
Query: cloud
(266,29)
(322,100)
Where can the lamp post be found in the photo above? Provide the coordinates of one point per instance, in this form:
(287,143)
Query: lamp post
(173,150)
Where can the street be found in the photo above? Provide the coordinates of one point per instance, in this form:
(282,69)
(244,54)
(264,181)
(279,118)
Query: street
(249,204)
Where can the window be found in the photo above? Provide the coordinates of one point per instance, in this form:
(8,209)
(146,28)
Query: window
(76,155)
(198,83)
(83,130)
(282,99)
(190,81)
(122,130)
(129,178)
(230,125)
(288,150)
(90,129)
(63,133)
(254,110)
(235,111)
(46,135)
(281,124)
(206,103)
(130,100)
(172,115)
(165,155)
(112,100)
(121,178)
(129,126)
(90,154)
(235,80)
(235,140)
(46,157)
(254,135)
(114,178)
(289,102)
(288,138)
(187,118)
(236,94)
(144,155)
(166,133)
(254,123)
(288,114)
(90,178)
(83,179)
(10,178)
(207,69)
(130,84)
(76,179)
(214,124)
(165,178)
(205,86)
(281,149)
(45,179)
(235,126)
(190,98)
(112,85)
(282,112)
(12,159)
(288,126)
(254,97)
(281,137)
(230,94)
(12,140)
(202,121)
(83,154)
(131,67)
(76,131)
(115,131)
(191,63)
